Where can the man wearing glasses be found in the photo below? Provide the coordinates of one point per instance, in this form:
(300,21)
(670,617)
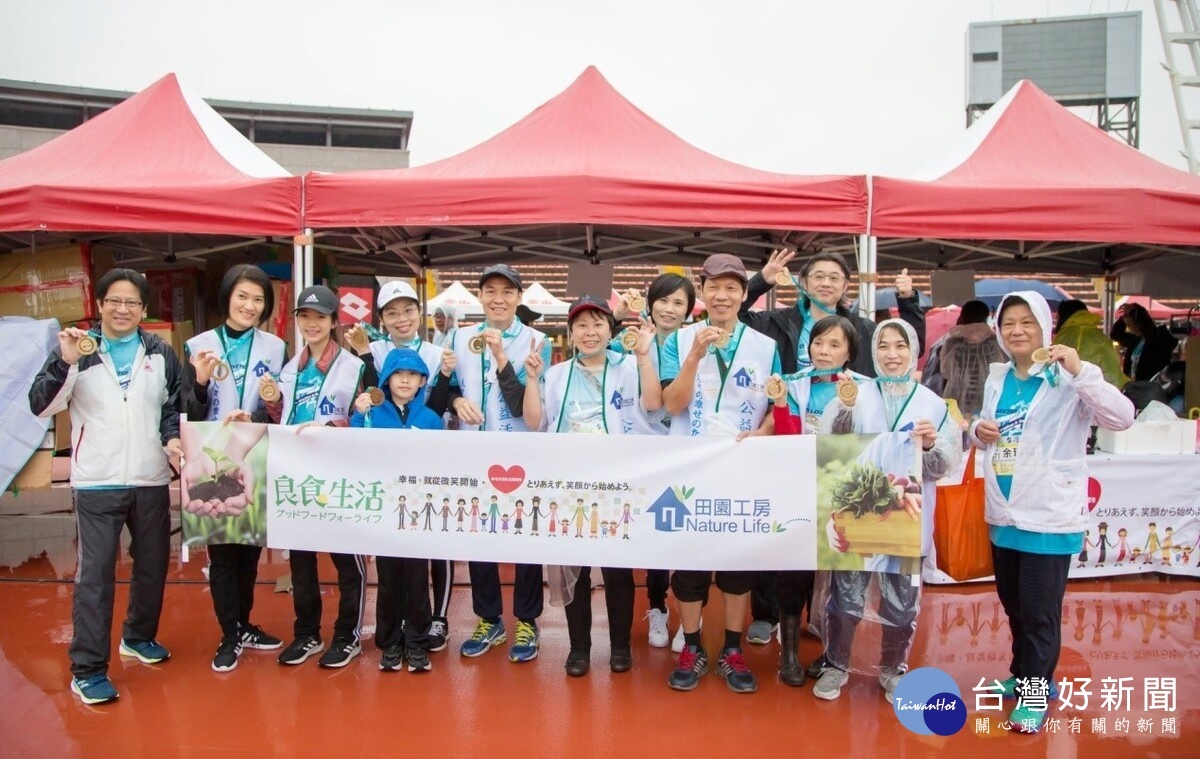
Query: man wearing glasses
(122,388)
(824,280)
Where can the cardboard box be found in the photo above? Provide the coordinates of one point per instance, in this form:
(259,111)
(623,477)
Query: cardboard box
(1150,438)
(48,283)
(62,431)
(175,333)
(36,474)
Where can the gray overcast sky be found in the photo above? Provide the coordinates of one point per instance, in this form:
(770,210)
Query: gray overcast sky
(797,86)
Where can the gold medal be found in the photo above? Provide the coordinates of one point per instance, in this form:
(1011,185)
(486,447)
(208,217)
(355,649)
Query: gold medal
(1041,356)
(87,345)
(722,340)
(776,387)
(847,391)
(783,279)
(476,344)
(376,396)
(359,340)
(629,340)
(268,390)
(637,303)
(220,371)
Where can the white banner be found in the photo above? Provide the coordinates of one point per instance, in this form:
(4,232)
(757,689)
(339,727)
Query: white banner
(1144,516)
(627,501)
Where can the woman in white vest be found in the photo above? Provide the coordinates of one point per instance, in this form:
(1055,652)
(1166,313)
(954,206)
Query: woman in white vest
(1037,414)
(714,375)
(670,299)
(246,354)
(489,374)
(318,387)
(832,348)
(400,314)
(906,415)
(580,396)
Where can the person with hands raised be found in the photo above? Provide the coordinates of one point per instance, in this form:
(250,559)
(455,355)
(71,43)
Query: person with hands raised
(714,375)
(1038,409)
(493,387)
(249,355)
(823,282)
(574,397)
(124,400)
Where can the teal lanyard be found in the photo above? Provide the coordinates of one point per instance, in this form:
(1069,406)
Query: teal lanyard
(324,376)
(238,382)
(567,394)
(722,369)
(506,338)
(900,413)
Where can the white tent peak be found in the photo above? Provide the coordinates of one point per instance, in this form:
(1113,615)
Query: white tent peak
(543,301)
(458,297)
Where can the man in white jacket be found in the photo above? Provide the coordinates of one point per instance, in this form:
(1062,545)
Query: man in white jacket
(124,401)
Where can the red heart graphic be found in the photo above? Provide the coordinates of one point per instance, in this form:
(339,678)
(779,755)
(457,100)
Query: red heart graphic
(1093,493)
(506,480)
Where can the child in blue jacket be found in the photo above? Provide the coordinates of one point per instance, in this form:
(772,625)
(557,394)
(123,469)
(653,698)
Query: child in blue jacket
(403,583)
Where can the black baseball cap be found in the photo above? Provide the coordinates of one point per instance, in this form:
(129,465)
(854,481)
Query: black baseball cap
(319,298)
(501,270)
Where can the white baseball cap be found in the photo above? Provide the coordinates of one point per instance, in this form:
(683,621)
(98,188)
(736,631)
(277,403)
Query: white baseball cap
(395,289)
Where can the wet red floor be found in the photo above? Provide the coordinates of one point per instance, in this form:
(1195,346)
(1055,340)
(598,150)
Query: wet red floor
(1124,628)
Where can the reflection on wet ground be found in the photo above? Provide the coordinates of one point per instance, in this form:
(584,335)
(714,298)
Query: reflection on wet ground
(1117,633)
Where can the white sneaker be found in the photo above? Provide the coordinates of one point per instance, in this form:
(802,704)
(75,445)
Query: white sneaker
(677,641)
(659,634)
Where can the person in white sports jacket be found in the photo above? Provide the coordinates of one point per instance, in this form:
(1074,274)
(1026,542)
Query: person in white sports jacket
(1038,410)
(124,402)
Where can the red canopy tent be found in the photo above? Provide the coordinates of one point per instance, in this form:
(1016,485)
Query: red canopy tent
(1031,186)
(586,176)
(161,161)
(1032,170)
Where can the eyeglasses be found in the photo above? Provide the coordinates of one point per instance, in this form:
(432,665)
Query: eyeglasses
(821,277)
(129,303)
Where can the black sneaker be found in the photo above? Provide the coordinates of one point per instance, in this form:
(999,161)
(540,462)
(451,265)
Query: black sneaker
(340,652)
(254,637)
(817,667)
(693,664)
(732,666)
(418,660)
(438,634)
(300,649)
(227,655)
(392,659)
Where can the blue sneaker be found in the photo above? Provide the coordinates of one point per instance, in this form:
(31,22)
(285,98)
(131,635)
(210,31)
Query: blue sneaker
(97,689)
(486,635)
(525,643)
(147,652)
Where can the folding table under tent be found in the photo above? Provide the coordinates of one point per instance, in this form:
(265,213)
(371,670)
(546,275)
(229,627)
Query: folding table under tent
(586,177)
